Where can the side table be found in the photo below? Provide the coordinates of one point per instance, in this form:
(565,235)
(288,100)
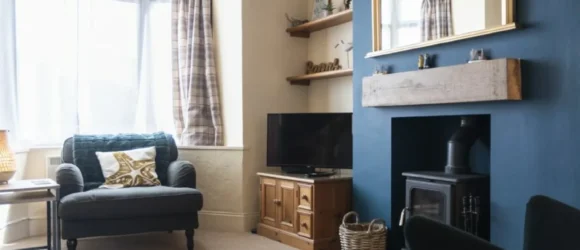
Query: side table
(40,190)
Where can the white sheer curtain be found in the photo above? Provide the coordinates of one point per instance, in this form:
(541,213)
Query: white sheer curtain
(92,66)
(7,68)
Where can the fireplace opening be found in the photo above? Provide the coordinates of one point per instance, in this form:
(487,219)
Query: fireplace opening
(440,169)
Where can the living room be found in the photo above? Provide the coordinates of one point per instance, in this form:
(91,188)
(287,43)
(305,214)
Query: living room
(95,67)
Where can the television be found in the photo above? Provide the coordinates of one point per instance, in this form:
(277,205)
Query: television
(306,141)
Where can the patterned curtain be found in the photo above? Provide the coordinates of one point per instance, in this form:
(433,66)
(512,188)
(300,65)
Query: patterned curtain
(436,19)
(196,103)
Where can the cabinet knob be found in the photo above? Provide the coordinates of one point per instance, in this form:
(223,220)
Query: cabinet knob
(277,202)
(305,197)
(304,225)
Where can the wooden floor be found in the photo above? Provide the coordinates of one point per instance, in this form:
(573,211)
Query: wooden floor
(204,240)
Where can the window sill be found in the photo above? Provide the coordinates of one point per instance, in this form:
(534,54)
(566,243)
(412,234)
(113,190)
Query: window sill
(225,148)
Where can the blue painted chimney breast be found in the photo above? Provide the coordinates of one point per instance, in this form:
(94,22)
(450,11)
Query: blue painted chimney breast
(536,147)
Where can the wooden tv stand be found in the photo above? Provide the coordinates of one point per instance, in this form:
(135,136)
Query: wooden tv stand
(304,212)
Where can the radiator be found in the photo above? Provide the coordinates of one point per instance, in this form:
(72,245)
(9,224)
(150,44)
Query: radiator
(52,162)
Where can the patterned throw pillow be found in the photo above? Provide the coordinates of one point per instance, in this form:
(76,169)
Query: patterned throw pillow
(130,168)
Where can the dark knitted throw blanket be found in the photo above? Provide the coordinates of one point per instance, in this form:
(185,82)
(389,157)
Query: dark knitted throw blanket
(85,146)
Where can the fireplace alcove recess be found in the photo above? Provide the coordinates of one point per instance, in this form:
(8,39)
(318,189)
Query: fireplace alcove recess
(419,156)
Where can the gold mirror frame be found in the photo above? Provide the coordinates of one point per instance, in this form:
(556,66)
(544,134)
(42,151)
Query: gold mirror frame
(378,51)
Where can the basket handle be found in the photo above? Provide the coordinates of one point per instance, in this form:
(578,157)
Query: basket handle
(349,214)
(381,221)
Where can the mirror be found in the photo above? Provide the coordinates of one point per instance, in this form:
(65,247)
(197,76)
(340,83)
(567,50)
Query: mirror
(401,25)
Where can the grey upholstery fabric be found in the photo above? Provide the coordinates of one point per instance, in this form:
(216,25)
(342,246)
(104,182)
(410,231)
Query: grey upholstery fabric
(181,174)
(74,229)
(70,179)
(134,202)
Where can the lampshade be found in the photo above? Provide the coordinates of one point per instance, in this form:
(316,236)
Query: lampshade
(7,163)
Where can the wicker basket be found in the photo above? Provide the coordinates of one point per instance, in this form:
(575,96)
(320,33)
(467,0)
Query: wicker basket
(362,236)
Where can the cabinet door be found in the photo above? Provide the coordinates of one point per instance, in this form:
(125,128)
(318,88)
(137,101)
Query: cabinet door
(270,202)
(287,209)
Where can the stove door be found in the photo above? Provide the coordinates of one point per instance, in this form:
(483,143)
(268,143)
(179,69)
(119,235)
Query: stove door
(430,199)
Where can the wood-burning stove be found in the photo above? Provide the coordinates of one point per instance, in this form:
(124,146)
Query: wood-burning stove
(454,196)
(460,200)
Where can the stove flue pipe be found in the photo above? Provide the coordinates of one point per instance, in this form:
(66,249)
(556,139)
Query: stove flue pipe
(460,144)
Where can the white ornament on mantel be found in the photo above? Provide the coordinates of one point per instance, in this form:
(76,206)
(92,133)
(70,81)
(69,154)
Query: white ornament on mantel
(491,80)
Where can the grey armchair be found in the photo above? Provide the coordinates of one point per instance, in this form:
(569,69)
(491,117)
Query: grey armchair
(87,211)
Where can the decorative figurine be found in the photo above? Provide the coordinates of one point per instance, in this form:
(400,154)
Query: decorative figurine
(294,21)
(318,9)
(476,55)
(426,61)
(323,67)
(381,70)
(421,62)
(347,4)
(328,8)
(347,48)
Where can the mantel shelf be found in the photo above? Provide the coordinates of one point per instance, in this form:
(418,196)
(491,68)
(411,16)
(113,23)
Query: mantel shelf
(304,30)
(492,80)
(305,79)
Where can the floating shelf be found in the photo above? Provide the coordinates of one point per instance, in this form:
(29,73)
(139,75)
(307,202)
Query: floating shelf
(305,79)
(304,30)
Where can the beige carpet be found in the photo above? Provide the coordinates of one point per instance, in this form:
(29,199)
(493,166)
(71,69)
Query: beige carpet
(204,240)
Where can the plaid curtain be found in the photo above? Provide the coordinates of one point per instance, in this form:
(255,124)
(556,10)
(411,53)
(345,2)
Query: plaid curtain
(196,103)
(436,19)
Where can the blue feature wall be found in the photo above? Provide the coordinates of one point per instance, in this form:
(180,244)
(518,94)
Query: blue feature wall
(536,144)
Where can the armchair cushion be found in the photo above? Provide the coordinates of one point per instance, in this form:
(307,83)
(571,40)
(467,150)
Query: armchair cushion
(85,146)
(133,202)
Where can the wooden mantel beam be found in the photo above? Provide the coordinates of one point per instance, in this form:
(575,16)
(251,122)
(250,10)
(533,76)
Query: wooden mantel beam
(492,80)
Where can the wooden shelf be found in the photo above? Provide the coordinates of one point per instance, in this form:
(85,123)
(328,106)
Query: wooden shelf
(305,79)
(304,30)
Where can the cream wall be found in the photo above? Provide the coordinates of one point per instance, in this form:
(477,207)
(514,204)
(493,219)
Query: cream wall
(227,25)
(331,95)
(269,56)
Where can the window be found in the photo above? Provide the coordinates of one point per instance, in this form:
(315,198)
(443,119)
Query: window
(92,67)
(401,22)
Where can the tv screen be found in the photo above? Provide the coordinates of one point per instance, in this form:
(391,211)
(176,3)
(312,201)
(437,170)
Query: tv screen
(310,140)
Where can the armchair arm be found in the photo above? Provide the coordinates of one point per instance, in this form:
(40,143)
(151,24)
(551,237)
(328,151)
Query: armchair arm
(422,233)
(181,174)
(70,179)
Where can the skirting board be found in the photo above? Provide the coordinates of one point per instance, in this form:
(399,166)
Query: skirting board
(15,230)
(208,220)
(227,221)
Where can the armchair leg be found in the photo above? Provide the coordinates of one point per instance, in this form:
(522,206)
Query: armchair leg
(189,239)
(71,244)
